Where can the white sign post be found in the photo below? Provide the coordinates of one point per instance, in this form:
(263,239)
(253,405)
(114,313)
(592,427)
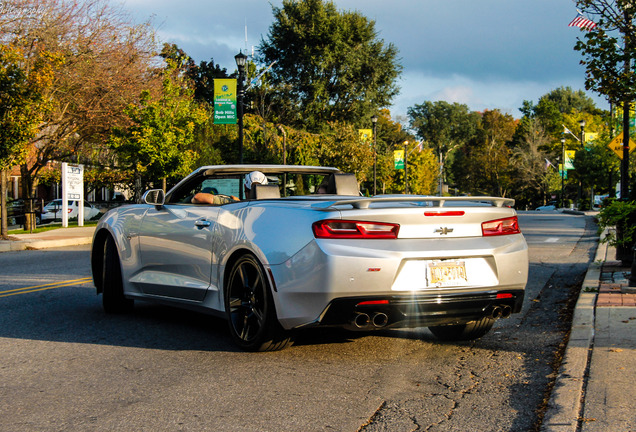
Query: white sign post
(72,190)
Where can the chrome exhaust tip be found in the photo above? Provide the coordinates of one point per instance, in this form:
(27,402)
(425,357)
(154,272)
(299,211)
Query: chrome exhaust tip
(380,319)
(361,320)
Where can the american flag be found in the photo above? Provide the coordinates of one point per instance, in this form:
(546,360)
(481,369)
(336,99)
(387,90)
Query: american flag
(582,22)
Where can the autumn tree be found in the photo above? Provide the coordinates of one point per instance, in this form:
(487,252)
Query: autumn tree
(105,59)
(330,64)
(22,107)
(158,142)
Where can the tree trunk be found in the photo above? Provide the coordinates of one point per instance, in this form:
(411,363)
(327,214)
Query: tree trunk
(4,226)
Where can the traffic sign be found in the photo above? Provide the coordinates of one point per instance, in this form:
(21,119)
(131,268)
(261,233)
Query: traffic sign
(616,145)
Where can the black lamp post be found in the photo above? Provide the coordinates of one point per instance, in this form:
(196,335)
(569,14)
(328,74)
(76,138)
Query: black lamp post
(241,59)
(406,169)
(374,120)
(582,125)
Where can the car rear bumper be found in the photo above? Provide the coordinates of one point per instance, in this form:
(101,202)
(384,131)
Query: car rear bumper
(419,310)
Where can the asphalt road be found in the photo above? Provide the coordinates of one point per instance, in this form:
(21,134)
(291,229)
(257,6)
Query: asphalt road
(65,365)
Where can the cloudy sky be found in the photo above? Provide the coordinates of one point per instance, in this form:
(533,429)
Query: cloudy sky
(486,54)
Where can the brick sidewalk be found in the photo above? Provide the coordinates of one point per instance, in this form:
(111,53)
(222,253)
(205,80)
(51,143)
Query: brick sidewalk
(614,289)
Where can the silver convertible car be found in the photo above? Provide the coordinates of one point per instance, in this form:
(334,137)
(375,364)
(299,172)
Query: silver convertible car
(304,249)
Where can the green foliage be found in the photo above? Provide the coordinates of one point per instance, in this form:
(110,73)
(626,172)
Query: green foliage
(157,144)
(442,125)
(330,65)
(622,215)
(22,103)
(608,49)
(341,147)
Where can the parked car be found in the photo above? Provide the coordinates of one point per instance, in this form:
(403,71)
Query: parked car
(53,211)
(15,211)
(549,207)
(273,264)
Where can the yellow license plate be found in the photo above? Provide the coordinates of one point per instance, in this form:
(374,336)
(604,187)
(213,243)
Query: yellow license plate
(447,273)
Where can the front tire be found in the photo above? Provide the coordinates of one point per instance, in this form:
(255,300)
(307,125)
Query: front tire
(250,308)
(113,299)
(459,332)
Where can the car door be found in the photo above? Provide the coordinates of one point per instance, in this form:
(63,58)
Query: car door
(175,242)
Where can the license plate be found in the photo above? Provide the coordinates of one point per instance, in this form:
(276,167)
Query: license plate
(447,273)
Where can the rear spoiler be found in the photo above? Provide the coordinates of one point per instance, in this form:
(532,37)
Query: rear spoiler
(363,203)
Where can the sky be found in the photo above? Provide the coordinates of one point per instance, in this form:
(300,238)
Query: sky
(487,54)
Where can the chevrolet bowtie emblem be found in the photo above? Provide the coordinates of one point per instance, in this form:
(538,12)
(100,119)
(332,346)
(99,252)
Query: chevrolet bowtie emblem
(444,230)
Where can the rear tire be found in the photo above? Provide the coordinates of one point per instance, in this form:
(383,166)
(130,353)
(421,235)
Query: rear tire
(113,299)
(250,308)
(458,332)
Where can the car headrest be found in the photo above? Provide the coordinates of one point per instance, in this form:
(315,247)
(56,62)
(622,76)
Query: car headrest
(261,191)
(343,184)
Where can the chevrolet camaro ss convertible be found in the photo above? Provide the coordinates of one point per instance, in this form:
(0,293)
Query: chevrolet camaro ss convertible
(304,249)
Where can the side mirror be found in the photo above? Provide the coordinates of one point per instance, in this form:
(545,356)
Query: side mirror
(155,197)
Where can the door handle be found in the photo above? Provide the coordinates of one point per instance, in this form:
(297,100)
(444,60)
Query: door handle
(202,223)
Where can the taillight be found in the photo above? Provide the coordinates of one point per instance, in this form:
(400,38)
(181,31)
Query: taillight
(501,227)
(343,229)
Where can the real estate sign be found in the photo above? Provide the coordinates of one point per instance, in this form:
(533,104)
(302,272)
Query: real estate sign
(72,190)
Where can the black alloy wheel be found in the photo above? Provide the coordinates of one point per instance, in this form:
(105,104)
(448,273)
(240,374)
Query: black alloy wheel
(250,308)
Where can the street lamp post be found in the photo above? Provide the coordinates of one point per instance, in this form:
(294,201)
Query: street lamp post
(241,59)
(582,125)
(374,120)
(406,172)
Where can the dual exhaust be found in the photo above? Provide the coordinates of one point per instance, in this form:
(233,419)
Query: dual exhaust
(376,320)
(503,311)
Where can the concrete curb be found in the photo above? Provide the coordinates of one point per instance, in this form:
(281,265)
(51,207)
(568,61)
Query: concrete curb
(564,407)
(20,245)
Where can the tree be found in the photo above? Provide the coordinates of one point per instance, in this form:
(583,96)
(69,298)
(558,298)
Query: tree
(105,61)
(608,51)
(201,75)
(443,126)
(330,65)
(21,108)
(533,172)
(567,100)
(484,164)
(158,142)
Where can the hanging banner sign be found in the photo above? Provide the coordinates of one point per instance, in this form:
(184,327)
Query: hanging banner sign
(569,156)
(398,158)
(72,191)
(366,135)
(563,173)
(224,101)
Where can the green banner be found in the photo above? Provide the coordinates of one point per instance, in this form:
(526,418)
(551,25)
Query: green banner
(398,159)
(224,101)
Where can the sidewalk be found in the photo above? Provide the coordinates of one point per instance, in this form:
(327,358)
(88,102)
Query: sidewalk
(596,386)
(48,239)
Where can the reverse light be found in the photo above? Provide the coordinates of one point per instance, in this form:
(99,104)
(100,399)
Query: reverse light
(344,229)
(501,227)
